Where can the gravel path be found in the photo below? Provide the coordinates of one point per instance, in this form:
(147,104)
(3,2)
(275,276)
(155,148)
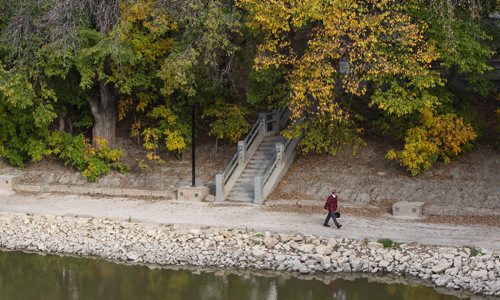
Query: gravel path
(252,217)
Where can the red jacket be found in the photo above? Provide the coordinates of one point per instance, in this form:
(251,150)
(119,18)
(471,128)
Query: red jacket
(331,203)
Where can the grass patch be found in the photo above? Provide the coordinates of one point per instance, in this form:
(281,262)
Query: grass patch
(473,251)
(388,243)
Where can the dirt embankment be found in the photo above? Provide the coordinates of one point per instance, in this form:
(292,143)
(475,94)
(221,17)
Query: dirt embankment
(367,182)
(368,178)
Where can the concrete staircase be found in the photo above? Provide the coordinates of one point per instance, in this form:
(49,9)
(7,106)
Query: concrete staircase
(243,189)
(259,162)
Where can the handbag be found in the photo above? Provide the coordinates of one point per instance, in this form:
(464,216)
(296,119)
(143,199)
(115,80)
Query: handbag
(337,214)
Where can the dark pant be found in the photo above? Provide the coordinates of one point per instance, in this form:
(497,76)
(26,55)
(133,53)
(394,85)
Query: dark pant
(331,214)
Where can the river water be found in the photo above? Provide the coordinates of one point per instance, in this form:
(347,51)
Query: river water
(30,276)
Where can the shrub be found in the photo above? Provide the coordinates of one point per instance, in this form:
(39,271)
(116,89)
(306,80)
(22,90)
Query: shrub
(92,162)
(441,137)
(473,251)
(24,120)
(387,243)
(228,120)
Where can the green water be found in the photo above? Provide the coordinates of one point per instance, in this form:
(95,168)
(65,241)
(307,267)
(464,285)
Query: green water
(30,276)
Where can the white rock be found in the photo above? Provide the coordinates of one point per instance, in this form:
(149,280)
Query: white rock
(452,271)
(375,245)
(270,242)
(357,266)
(401,268)
(324,250)
(132,256)
(258,253)
(346,267)
(490,265)
(280,258)
(495,287)
(306,248)
(405,259)
(443,265)
(303,269)
(41,247)
(388,257)
(443,280)
(384,264)
(485,257)
(479,274)
(398,256)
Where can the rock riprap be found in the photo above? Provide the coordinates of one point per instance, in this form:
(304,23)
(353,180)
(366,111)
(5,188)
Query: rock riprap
(163,244)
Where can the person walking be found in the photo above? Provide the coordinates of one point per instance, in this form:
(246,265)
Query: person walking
(331,207)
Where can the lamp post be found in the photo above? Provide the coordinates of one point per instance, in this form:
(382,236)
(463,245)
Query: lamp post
(193,145)
(344,66)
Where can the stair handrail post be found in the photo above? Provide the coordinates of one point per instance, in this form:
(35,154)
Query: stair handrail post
(283,117)
(262,125)
(219,188)
(279,149)
(241,152)
(276,119)
(258,192)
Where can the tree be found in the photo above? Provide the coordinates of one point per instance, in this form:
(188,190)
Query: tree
(339,55)
(62,22)
(349,46)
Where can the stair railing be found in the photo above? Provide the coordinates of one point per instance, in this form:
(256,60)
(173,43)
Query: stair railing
(246,147)
(266,123)
(284,155)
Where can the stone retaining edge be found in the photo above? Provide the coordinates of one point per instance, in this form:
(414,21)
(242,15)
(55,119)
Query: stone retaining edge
(428,210)
(115,192)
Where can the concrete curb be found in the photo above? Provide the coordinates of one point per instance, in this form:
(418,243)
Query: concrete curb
(428,209)
(80,190)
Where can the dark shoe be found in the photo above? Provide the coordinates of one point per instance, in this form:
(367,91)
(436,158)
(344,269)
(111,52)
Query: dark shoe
(338,226)
(326,225)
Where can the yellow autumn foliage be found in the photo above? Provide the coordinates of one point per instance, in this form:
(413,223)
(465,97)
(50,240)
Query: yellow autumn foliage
(376,41)
(441,137)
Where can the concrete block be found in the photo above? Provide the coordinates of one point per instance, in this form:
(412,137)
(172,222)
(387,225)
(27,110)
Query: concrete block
(192,193)
(7,182)
(408,209)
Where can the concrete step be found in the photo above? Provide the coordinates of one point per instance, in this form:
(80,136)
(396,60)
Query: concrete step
(261,160)
(253,173)
(259,163)
(259,166)
(273,138)
(240,197)
(261,152)
(236,199)
(266,147)
(254,170)
(242,193)
(244,180)
(264,157)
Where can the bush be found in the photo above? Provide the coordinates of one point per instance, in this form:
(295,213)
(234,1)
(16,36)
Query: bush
(228,121)
(92,162)
(387,243)
(441,137)
(473,251)
(24,120)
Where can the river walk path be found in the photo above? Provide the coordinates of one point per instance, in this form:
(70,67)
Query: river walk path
(251,217)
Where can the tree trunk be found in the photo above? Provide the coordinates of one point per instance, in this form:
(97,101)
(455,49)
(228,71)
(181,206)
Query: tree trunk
(62,124)
(103,107)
